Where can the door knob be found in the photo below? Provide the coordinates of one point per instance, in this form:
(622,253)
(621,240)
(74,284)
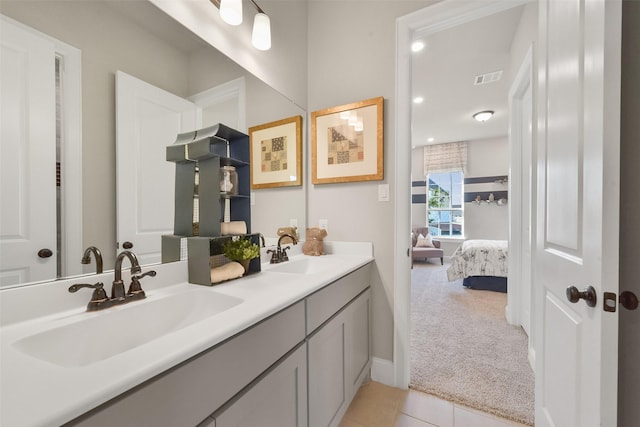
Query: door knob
(629,300)
(45,253)
(127,245)
(588,295)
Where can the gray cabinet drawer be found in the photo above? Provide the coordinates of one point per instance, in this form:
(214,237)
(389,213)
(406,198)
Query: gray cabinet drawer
(324,303)
(189,393)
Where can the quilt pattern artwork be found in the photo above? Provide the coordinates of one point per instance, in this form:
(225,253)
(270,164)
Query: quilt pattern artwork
(345,145)
(273,154)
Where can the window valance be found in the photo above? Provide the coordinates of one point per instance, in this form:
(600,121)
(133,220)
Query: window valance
(447,157)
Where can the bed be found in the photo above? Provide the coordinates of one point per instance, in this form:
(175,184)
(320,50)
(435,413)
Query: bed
(482,264)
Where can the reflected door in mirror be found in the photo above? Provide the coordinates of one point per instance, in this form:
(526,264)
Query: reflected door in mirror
(27,157)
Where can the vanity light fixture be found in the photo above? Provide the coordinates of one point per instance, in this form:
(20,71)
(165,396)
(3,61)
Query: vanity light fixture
(231,13)
(261,36)
(483,116)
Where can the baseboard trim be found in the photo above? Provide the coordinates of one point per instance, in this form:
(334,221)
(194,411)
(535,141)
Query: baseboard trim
(382,371)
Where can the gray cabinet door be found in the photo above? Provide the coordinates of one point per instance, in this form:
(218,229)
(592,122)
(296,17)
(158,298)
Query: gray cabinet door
(327,394)
(278,399)
(358,342)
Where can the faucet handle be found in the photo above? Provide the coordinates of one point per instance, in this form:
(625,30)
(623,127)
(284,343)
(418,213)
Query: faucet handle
(284,256)
(98,293)
(135,288)
(98,298)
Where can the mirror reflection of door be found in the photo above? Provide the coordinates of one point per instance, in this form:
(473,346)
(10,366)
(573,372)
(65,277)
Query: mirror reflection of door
(35,210)
(148,120)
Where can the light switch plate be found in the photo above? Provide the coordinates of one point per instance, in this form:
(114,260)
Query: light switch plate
(383,192)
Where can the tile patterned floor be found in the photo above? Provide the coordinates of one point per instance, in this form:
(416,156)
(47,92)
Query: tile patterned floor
(378,405)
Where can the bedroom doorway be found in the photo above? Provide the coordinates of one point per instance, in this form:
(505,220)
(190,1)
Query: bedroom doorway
(430,290)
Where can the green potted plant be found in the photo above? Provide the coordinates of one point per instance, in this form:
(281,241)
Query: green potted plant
(241,250)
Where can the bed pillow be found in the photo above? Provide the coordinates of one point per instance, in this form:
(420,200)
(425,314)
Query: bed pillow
(424,242)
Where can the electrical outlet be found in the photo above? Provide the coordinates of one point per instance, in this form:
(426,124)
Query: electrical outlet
(324,223)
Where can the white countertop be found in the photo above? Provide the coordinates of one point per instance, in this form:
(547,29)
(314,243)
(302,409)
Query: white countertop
(38,393)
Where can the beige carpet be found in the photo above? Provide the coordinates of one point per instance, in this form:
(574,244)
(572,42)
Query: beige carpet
(463,350)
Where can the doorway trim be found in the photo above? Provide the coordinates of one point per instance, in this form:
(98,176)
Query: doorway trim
(519,305)
(71,157)
(431,19)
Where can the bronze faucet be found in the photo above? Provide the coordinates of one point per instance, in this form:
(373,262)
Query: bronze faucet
(280,254)
(99,298)
(86,258)
(117,288)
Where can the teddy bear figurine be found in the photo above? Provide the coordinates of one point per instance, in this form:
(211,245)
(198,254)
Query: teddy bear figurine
(313,244)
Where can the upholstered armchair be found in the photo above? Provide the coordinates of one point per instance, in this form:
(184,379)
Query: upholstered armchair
(423,246)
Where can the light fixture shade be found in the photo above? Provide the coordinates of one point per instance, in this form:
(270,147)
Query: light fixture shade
(231,11)
(261,37)
(483,116)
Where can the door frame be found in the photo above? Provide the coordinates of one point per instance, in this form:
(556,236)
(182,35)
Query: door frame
(431,19)
(525,79)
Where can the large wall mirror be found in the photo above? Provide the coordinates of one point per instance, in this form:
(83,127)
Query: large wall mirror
(135,38)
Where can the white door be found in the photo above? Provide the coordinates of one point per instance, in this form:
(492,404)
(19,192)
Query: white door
(27,157)
(147,120)
(577,212)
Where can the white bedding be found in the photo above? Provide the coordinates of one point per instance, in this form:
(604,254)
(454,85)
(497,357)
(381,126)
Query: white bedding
(479,258)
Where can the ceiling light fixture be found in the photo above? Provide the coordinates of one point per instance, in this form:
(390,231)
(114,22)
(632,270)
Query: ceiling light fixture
(417,46)
(483,116)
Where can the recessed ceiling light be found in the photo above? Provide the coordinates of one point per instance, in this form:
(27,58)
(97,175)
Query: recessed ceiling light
(417,46)
(418,100)
(483,116)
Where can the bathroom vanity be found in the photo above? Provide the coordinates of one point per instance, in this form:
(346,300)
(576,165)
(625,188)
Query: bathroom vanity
(286,347)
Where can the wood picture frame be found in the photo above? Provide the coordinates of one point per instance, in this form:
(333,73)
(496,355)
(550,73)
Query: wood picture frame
(347,142)
(276,153)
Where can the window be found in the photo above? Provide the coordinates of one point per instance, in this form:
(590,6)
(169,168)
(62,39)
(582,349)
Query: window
(445,214)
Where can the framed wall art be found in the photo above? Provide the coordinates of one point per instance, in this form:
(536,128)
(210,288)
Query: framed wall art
(347,143)
(276,153)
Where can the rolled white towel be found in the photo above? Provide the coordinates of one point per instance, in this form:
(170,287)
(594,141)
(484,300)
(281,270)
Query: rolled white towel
(228,271)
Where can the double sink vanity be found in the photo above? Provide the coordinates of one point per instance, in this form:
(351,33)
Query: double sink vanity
(288,346)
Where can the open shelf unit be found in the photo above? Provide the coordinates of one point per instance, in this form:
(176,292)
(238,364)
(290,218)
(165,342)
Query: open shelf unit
(204,152)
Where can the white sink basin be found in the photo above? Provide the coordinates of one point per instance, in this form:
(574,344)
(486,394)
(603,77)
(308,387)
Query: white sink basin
(98,336)
(306,265)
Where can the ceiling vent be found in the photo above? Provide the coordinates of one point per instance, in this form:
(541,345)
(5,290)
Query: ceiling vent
(487,78)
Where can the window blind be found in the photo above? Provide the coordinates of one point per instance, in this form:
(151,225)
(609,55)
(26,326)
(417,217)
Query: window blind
(448,157)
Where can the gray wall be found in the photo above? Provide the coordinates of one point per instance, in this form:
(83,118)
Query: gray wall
(352,58)
(629,349)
